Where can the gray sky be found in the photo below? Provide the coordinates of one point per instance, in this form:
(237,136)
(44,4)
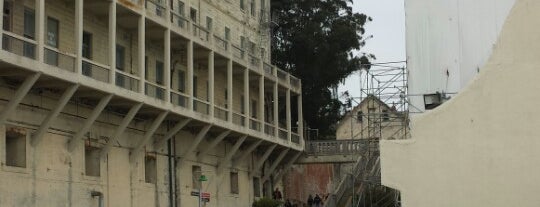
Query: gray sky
(388,30)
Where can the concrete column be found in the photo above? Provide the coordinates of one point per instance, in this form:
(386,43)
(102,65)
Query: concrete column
(79,10)
(211,83)
(230,89)
(2,22)
(112,41)
(142,52)
(276,107)
(189,84)
(40,30)
(288,112)
(167,65)
(261,102)
(246,97)
(300,118)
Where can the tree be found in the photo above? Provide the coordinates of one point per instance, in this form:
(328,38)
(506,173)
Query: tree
(314,40)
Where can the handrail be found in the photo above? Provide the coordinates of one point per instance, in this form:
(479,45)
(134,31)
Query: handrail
(128,74)
(154,84)
(19,37)
(96,63)
(59,52)
(337,146)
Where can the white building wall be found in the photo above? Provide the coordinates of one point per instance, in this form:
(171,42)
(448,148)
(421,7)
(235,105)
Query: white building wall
(448,42)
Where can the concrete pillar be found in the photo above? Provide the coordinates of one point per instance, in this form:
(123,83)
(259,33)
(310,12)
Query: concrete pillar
(230,89)
(79,16)
(288,112)
(300,118)
(211,83)
(112,41)
(167,64)
(189,75)
(142,52)
(40,30)
(261,102)
(2,22)
(246,97)
(276,107)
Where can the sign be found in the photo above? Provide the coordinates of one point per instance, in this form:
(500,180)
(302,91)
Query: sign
(194,193)
(205,196)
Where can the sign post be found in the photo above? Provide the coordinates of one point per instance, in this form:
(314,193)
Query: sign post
(201,179)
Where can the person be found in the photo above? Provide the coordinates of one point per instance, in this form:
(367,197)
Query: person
(317,200)
(277,194)
(310,201)
(288,203)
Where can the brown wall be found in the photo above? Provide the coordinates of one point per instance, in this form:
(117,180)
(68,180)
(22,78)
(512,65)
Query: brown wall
(303,180)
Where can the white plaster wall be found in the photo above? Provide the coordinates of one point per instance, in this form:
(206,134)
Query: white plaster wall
(449,35)
(481,147)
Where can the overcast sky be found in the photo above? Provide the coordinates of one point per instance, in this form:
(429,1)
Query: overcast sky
(388,30)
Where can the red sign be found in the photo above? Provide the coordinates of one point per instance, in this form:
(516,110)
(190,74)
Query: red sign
(205,195)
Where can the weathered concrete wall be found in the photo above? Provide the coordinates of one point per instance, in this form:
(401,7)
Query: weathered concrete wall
(303,180)
(481,147)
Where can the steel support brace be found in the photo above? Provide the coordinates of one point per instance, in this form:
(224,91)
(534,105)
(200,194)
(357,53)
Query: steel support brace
(170,134)
(231,153)
(147,136)
(265,156)
(213,144)
(200,136)
(247,152)
(18,97)
(46,123)
(86,126)
(287,167)
(275,164)
(121,128)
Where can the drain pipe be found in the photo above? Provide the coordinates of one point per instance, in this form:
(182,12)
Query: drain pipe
(97,194)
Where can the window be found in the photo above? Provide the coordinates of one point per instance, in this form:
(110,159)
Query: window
(52,32)
(242,4)
(87,53)
(359,116)
(15,148)
(181,81)
(51,57)
(159,73)
(234,183)
(209,23)
(150,170)
(385,115)
(92,161)
(227,34)
(254,109)
(252,47)
(8,15)
(181,8)
(242,105)
(196,173)
(193,14)
(29,32)
(120,57)
(252,5)
(256,187)
(226,99)
(195,83)
(146,67)
(242,42)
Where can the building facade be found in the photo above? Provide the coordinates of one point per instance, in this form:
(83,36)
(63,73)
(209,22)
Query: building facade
(481,147)
(142,103)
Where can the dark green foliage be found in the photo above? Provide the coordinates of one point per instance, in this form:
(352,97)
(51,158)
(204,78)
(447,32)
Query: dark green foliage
(266,202)
(314,40)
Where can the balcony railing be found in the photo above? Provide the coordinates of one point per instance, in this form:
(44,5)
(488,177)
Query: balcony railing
(179,99)
(127,81)
(295,83)
(238,119)
(339,146)
(19,45)
(282,134)
(221,43)
(179,21)
(238,52)
(255,124)
(295,138)
(155,8)
(54,57)
(282,75)
(269,129)
(200,106)
(95,70)
(154,90)
(221,113)
(201,32)
(268,69)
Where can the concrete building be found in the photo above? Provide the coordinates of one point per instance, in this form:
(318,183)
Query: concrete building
(130,102)
(481,147)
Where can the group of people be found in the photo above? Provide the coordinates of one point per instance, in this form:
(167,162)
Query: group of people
(316,201)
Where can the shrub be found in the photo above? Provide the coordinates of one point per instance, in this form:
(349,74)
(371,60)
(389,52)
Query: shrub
(266,202)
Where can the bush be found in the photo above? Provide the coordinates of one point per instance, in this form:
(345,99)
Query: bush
(266,202)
